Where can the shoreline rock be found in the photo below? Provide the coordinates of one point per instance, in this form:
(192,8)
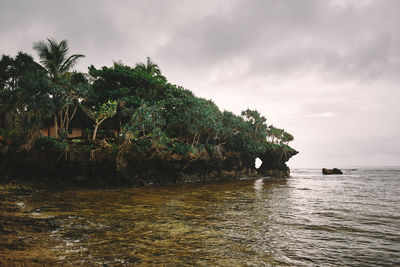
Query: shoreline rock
(331,171)
(102,166)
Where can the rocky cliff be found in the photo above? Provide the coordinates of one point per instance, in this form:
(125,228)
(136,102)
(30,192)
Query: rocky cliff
(102,163)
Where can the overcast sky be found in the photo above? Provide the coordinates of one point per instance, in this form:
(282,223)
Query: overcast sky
(326,71)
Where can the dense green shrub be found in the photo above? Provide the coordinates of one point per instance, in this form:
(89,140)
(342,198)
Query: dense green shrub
(181,148)
(51,144)
(141,145)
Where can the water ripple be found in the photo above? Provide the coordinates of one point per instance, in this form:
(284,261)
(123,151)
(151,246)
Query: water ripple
(309,219)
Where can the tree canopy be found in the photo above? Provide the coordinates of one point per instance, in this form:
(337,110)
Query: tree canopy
(137,102)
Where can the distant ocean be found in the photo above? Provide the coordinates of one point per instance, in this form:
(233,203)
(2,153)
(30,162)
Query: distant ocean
(350,219)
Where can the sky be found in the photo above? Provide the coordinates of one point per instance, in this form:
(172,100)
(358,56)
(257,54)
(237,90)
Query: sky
(326,71)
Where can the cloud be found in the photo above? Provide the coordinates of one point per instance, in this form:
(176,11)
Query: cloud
(326,71)
(338,39)
(327,114)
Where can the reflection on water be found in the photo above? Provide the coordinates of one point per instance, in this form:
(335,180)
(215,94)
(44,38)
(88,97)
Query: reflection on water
(308,219)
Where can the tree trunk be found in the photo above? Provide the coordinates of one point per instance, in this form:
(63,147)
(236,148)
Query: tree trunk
(97,126)
(61,125)
(95,131)
(194,139)
(198,138)
(66,118)
(69,119)
(55,126)
(73,113)
(3,119)
(12,115)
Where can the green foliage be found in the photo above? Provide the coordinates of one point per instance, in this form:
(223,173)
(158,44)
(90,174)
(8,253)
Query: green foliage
(181,148)
(9,133)
(150,107)
(106,110)
(136,101)
(142,145)
(146,121)
(24,93)
(100,113)
(51,144)
(66,87)
(150,68)
(54,57)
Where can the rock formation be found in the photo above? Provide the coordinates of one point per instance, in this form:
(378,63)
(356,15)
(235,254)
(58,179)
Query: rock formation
(99,165)
(331,171)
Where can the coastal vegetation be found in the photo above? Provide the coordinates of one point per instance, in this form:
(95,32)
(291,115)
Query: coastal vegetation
(128,108)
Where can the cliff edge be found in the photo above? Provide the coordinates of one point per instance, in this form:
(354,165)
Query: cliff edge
(101,163)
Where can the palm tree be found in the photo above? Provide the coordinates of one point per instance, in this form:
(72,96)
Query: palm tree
(53,56)
(151,68)
(55,60)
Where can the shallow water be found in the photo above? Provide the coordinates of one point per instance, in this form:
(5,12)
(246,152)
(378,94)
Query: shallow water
(308,219)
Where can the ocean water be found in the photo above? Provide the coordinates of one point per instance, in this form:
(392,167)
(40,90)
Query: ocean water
(306,220)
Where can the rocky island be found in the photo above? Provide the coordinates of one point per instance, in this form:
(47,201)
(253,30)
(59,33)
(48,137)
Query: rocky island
(117,126)
(122,125)
(331,171)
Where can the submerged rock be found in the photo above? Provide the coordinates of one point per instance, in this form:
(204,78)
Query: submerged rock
(331,171)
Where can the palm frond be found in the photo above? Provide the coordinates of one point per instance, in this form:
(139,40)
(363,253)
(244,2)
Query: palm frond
(150,67)
(53,56)
(70,62)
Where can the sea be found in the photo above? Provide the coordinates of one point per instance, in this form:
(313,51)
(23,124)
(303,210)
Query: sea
(308,219)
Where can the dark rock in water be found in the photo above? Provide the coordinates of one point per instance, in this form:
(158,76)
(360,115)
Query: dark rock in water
(331,171)
(274,163)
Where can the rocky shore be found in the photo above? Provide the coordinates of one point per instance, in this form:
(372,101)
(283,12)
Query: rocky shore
(101,163)
(24,239)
